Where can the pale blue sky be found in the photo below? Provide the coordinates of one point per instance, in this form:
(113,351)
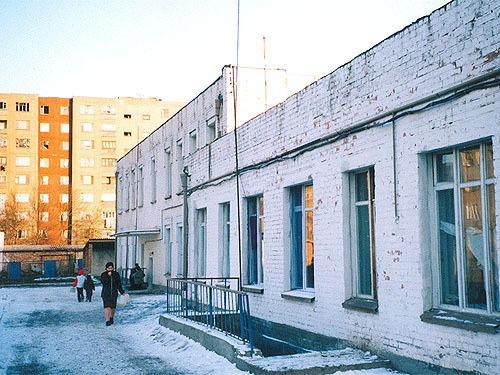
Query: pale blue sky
(173,49)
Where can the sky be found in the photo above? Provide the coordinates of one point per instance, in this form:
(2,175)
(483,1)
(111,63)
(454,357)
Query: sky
(174,49)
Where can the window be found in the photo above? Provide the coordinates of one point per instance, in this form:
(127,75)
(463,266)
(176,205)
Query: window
(87,180)
(302,239)
(44,180)
(109,218)
(65,233)
(22,216)
(146,117)
(64,180)
(63,216)
(87,197)
(127,193)
(168,173)
(43,233)
(23,161)
(3,105)
(44,198)
(180,250)
(255,243)
(22,107)
(108,109)
(127,134)
(44,109)
(64,111)
(168,250)
(153,180)
(108,162)
(87,145)
(86,162)
(44,127)
(3,162)
(65,145)
(127,116)
(22,142)
(3,142)
(22,197)
(44,145)
(22,179)
(201,242)
(225,240)
(466,263)
(64,128)
(108,197)
(64,163)
(3,179)
(132,189)
(108,180)
(164,113)
(64,198)
(44,163)
(87,109)
(87,127)
(211,130)
(22,234)
(3,124)
(192,141)
(43,216)
(108,127)
(140,187)
(108,145)
(362,200)
(22,125)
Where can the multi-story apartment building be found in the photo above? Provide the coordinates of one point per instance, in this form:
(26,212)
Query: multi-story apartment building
(57,162)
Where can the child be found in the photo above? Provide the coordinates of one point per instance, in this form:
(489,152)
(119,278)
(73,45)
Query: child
(89,287)
(79,280)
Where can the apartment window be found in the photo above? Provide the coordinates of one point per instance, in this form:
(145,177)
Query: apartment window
(3,124)
(108,127)
(153,180)
(3,105)
(64,128)
(180,162)
(3,142)
(43,234)
(44,109)
(63,216)
(109,218)
(3,179)
(87,127)
(44,163)
(108,180)
(225,240)
(140,188)
(23,161)
(146,117)
(64,180)
(3,162)
(22,234)
(44,198)
(127,193)
(127,134)
(108,197)
(302,239)
(22,142)
(108,145)
(22,107)
(255,242)
(211,130)
(65,145)
(108,109)
(127,115)
(87,197)
(64,163)
(87,145)
(201,242)
(86,162)
(108,162)
(466,262)
(193,141)
(44,145)
(22,216)
(43,216)
(168,173)
(180,250)
(22,179)
(44,127)
(362,200)
(64,111)
(44,180)
(22,125)
(22,197)
(164,113)
(132,189)
(87,109)
(168,250)
(87,180)
(65,233)
(64,198)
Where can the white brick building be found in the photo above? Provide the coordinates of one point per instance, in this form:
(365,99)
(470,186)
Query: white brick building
(379,193)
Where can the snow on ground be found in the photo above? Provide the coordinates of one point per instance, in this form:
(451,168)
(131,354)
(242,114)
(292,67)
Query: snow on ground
(44,330)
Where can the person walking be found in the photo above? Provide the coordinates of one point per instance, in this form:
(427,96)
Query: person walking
(79,281)
(111,285)
(89,287)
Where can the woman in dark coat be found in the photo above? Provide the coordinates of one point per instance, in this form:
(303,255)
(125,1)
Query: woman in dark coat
(111,285)
(89,287)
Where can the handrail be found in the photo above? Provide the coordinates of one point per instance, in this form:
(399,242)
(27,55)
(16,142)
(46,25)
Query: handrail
(217,307)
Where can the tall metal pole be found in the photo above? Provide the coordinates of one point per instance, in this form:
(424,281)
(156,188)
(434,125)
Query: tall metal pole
(184,183)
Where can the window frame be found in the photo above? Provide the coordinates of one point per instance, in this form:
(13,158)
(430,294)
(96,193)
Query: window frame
(225,239)
(201,242)
(258,202)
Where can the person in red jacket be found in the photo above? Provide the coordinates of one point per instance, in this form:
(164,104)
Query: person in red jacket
(79,281)
(111,284)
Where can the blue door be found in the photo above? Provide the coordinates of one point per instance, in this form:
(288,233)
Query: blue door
(14,270)
(49,268)
(80,264)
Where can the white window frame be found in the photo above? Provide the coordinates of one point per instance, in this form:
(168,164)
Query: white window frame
(167,243)
(140,188)
(168,172)
(201,242)
(153,180)
(225,239)
(44,127)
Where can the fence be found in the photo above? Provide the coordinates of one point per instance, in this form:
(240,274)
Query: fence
(219,308)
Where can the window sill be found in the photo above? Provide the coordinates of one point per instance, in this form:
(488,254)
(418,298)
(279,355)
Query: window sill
(462,320)
(361,304)
(257,289)
(299,295)
(168,197)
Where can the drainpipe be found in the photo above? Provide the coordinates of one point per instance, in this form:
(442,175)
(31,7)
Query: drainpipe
(184,183)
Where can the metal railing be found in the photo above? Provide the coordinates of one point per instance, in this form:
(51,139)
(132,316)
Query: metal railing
(217,307)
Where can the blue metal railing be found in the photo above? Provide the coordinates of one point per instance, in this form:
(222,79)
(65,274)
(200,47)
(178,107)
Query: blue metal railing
(217,307)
